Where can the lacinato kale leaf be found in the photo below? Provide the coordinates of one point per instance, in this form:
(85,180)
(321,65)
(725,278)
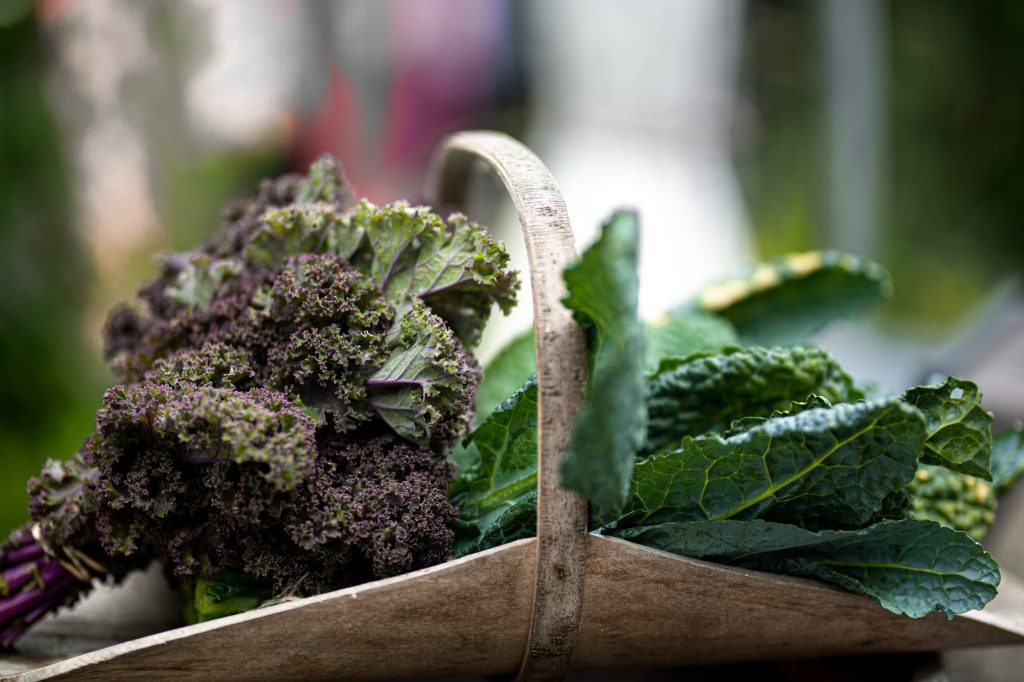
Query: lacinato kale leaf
(708,391)
(767,458)
(959,429)
(609,429)
(820,466)
(785,301)
(911,567)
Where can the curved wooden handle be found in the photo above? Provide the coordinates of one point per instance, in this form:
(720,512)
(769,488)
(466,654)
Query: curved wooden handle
(561,379)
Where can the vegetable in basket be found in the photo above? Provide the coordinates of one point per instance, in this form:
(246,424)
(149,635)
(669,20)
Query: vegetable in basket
(295,393)
(289,394)
(739,444)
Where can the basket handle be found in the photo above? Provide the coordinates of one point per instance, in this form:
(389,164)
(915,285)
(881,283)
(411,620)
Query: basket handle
(561,380)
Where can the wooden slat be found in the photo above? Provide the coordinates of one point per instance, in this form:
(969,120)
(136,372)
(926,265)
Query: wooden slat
(466,617)
(561,379)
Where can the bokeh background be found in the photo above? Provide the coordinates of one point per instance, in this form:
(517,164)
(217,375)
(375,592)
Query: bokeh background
(738,128)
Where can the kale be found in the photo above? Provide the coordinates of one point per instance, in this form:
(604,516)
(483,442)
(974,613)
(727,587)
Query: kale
(289,394)
(762,456)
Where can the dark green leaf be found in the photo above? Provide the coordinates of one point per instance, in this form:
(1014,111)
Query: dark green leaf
(706,392)
(514,364)
(787,300)
(836,464)
(959,429)
(910,567)
(516,522)
(609,429)
(685,331)
(502,467)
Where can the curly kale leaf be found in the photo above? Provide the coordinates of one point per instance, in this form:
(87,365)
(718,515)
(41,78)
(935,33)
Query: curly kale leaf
(609,430)
(785,301)
(161,453)
(500,472)
(959,428)
(452,266)
(212,364)
(910,567)
(325,183)
(829,467)
(426,381)
(707,392)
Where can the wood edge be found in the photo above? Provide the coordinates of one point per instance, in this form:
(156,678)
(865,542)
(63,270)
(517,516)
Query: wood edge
(109,653)
(561,378)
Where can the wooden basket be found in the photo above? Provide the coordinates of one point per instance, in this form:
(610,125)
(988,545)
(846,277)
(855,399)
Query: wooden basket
(541,604)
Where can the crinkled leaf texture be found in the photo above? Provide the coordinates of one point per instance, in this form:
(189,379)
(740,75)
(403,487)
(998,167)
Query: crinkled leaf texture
(453,266)
(787,300)
(496,488)
(959,428)
(829,467)
(609,429)
(910,567)
(426,378)
(707,392)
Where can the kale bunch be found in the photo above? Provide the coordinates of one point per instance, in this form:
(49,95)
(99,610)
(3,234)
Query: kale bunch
(716,432)
(289,394)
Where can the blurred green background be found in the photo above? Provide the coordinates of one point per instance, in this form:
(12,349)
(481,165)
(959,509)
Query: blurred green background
(104,160)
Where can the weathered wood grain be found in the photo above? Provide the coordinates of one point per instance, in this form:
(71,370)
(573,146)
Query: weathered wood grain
(561,379)
(466,617)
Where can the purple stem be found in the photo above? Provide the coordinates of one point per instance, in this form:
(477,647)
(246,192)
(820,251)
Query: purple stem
(12,579)
(21,555)
(35,586)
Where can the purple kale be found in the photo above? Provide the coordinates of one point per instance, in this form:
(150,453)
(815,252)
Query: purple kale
(290,391)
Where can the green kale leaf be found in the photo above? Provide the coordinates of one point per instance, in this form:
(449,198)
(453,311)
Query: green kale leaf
(707,392)
(953,499)
(821,466)
(609,429)
(499,472)
(787,300)
(911,567)
(514,364)
(959,428)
